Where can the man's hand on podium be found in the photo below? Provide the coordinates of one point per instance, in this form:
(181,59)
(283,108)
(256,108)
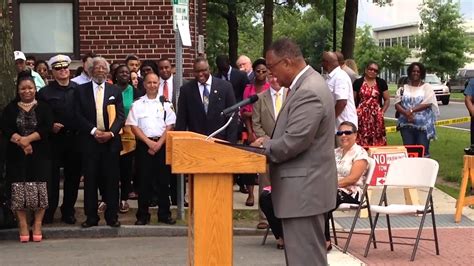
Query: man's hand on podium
(260,141)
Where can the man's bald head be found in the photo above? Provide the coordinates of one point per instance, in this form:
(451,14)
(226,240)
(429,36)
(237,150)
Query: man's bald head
(330,61)
(340,58)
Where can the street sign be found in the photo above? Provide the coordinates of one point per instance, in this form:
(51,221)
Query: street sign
(180,12)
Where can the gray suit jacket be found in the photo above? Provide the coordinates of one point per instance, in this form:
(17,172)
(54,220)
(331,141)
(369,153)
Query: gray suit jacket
(263,115)
(301,151)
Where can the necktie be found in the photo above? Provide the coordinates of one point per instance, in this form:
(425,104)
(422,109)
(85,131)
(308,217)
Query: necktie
(99,101)
(205,97)
(277,103)
(165,90)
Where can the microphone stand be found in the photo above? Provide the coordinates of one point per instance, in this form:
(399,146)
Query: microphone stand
(224,126)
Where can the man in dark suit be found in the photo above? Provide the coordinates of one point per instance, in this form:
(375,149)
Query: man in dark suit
(201,102)
(237,78)
(301,155)
(100,115)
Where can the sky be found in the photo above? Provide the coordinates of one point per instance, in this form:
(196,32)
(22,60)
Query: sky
(401,11)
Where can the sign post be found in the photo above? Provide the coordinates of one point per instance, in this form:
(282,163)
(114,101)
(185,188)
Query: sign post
(180,17)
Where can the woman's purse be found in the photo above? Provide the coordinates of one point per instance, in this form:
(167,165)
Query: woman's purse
(397,113)
(29,195)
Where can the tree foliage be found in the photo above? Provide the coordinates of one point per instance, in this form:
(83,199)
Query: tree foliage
(393,58)
(7,84)
(443,40)
(366,49)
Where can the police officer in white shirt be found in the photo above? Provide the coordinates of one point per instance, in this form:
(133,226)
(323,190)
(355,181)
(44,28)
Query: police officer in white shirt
(150,119)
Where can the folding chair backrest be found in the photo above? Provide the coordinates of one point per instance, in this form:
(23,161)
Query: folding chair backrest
(412,172)
(370,172)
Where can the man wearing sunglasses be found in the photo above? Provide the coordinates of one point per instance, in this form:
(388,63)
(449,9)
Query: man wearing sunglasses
(59,94)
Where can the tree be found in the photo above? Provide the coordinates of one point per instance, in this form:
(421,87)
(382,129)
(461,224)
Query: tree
(443,40)
(7,84)
(349,29)
(393,58)
(365,48)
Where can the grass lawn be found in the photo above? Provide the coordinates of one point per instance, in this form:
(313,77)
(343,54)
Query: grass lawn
(448,150)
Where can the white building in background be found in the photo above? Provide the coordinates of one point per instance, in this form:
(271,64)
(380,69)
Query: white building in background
(406,34)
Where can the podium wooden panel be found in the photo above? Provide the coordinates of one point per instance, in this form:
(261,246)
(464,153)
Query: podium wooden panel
(210,165)
(467,174)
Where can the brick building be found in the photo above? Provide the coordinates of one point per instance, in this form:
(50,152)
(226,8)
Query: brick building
(110,28)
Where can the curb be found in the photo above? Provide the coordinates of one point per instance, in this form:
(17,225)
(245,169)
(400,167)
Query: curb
(124,231)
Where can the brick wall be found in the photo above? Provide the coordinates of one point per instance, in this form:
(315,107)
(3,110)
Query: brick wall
(115,29)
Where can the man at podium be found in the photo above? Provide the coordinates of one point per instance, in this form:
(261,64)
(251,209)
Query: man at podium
(301,155)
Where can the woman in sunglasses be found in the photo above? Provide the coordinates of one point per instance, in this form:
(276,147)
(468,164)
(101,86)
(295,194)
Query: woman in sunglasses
(416,102)
(372,100)
(258,85)
(351,163)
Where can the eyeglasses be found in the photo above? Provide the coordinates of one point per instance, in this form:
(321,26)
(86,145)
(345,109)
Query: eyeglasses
(270,66)
(59,68)
(373,69)
(344,132)
(261,71)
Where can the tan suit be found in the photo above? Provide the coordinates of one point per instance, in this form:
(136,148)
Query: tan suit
(303,168)
(263,116)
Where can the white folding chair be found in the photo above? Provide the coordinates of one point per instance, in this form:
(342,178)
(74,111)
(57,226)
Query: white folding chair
(413,173)
(364,204)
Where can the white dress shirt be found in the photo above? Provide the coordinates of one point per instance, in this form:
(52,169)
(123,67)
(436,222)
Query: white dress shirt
(81,79)
(149,115)
(208,86)
(170,88)
(340,85)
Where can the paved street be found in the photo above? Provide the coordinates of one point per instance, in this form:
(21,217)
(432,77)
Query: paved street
(452,110)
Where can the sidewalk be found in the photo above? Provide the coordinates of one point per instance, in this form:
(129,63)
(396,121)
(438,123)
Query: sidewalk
(455,239)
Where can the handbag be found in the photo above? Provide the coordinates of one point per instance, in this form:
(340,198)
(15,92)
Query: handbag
(29,195)
(397,113)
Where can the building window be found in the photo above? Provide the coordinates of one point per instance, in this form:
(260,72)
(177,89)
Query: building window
(46,28)
(394,41)
(405,41)
(381,43)
(387,43)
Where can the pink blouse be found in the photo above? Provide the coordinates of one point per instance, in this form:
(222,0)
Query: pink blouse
(249,91)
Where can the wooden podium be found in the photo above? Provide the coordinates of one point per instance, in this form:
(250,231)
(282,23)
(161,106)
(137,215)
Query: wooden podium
(210,166)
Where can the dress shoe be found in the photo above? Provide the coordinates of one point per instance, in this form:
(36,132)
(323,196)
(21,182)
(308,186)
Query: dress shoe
(186,204)
(88,224)
(243,189)
(115,223)
(48,220)
(249,202)
(328,248)
(141,222)
(69,219)
(24,239)
(37,238)
(280,246)
(167,220)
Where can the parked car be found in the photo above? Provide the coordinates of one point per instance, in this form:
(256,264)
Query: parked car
(440,89)
(459,82)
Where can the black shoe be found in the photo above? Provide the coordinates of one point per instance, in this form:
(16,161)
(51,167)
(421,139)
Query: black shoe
(186,204)
(141,222)
(167,220)
(114,223)
(88,224)
(69,219)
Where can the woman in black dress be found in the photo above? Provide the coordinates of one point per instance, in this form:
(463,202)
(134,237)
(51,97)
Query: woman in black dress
(26,124)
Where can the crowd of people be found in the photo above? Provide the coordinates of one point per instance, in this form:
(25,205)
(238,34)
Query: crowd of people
(108,125)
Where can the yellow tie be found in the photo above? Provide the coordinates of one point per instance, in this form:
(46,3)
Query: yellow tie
(277,103)
(99,101)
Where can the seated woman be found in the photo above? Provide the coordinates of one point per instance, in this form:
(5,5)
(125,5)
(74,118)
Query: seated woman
(265,201)
(352,163)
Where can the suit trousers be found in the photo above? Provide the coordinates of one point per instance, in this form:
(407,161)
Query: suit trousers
(304,240)
(101,167)
(153,167)
(126,171)
(65,154)
(265,203)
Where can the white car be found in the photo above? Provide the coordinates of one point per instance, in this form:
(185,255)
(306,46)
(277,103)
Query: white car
(440,89)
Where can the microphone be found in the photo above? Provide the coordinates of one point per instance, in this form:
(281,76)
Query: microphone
(162,101)
(237,106)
